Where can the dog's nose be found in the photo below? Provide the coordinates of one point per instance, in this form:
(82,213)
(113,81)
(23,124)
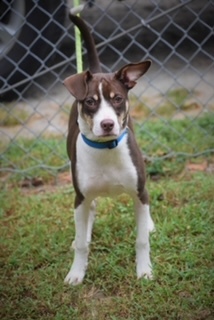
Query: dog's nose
(107,125)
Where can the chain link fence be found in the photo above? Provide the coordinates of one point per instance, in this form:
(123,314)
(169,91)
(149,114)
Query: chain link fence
(38,51)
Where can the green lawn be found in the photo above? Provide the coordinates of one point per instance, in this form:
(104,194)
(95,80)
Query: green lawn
(37,229)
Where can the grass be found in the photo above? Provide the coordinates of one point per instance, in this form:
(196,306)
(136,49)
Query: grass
(12,116)
(37,230)
(27,153)
(173,103)
(178,96)
(159,137)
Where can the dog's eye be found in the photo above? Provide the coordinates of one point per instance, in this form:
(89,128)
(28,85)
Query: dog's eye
(117,103)
(90,105)
(117,100)
(90,102)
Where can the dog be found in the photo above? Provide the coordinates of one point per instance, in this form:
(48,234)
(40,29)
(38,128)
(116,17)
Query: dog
(105,158)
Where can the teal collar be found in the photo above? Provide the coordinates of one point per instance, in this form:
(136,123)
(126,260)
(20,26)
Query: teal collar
(105,144)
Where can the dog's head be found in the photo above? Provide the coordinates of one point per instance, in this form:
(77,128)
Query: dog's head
(102,100)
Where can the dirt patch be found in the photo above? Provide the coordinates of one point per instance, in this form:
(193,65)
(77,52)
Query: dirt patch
(36,185)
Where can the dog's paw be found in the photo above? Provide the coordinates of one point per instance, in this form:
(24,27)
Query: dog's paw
(145,273)
(74,277)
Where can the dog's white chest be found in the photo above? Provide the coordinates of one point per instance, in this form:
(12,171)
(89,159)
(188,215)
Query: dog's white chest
(105,172)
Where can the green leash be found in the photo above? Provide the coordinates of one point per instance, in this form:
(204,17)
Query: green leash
(78,44)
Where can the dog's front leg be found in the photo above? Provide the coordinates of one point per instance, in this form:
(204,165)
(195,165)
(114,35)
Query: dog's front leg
(81,246)
(91,218)
(144,225)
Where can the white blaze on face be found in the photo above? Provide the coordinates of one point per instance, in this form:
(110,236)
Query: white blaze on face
(105,112)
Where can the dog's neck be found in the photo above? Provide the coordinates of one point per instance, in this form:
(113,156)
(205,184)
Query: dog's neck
(111,144)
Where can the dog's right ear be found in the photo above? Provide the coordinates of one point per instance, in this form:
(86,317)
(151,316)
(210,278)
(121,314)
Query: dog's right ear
(77,84)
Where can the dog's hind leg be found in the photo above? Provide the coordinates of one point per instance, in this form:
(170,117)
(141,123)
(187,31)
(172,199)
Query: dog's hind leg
(81,247)
(143,220)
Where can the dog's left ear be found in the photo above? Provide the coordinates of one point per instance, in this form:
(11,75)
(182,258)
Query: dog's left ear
(130,73)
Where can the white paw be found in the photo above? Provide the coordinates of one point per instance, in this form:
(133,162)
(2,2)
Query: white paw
(145,272)
(74,277)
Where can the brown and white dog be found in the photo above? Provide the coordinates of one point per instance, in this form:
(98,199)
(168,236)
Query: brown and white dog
(105,158)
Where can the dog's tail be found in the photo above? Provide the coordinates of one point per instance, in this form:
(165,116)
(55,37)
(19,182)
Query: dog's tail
(93,60)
